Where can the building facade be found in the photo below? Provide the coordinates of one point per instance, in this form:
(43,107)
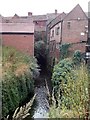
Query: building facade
(68,28)
(22,31)
(75,28)
(18,33)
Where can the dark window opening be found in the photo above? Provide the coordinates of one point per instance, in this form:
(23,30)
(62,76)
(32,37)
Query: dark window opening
(36,23)
(57,30)
(52,33)
(68,24)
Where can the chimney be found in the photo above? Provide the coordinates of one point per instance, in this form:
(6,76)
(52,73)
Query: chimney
(29,13)
(55,11)
(15,16)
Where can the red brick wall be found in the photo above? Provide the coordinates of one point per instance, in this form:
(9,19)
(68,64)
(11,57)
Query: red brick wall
(24,43)
(73,35)
(79,46)
(57,54)
(78,21)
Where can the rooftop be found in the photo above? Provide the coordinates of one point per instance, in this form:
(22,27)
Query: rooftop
(16,28)
(56,20)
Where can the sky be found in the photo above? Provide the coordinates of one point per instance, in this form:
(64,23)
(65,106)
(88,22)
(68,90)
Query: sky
(39,7)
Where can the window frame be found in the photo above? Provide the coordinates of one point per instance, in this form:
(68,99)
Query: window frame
(52,33)
(68,24)
(57,30)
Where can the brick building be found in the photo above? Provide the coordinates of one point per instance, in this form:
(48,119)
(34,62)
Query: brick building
(18,33)
(40,22)
(67,28)
(75,26)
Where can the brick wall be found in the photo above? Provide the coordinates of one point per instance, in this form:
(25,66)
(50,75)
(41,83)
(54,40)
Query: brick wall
(22,42)
(73,34)
(78,46)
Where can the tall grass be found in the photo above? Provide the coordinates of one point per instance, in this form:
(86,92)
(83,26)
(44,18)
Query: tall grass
(18,72)
(75,97)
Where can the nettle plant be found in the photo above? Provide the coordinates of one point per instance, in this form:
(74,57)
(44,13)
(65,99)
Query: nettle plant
(64,50)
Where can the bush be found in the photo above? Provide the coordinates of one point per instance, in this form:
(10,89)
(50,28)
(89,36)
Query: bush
(77,58)
(74,102)
(64,50)
(41,49)
(40,36)
(18,78)
(61,72)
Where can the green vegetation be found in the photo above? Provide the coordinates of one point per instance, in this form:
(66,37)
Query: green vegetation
(64,50)
(77,58)
(61,72)
(19,71)
(70,89)
(41,49)
(40,36)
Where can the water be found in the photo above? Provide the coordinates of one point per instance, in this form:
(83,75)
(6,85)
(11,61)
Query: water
(42,109)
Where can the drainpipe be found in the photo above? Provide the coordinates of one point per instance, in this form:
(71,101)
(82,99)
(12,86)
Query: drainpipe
(88,40)
(87,54)
(61,31)
(87,57)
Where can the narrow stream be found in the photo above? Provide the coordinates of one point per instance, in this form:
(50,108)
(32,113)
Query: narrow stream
(42,108)
(41,111)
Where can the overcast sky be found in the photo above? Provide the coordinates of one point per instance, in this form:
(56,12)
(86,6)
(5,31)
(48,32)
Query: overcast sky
(38,7)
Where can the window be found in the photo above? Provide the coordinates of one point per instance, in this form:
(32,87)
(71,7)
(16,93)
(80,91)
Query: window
(86,31)
(57,30)
(82,33)
(52,33)
(7,21)
(57,45)
(78,18)
(68,24)
(36,23)
(86,27)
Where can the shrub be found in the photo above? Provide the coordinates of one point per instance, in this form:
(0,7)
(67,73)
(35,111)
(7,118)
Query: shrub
(64,50)
(77,58)
(18,78)
(75,96)
(40,49)
(61,72)
(40,36)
